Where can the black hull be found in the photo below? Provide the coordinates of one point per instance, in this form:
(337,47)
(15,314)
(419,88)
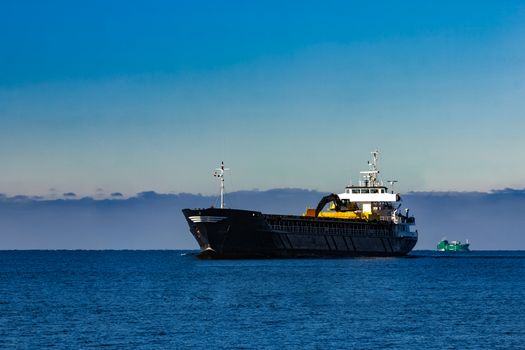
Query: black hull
(238,234)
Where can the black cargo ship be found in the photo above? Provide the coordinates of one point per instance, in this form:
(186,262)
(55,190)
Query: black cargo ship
(362,221)
(233,233)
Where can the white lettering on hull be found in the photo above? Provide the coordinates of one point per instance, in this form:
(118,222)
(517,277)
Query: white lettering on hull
(199,218)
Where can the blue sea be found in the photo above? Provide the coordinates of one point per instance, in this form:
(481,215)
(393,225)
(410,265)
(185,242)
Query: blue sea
(172,300)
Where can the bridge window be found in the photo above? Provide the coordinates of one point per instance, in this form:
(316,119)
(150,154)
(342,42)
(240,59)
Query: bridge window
(355,191)
(364,191)
(374,190)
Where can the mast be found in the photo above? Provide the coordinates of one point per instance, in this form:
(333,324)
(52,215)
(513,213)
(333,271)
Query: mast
(371,176)
(392,182)
(219,173)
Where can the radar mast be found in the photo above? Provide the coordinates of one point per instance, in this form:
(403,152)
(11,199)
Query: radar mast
(371,175)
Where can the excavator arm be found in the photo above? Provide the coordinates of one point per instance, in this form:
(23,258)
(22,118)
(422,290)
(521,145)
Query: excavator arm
(327,199)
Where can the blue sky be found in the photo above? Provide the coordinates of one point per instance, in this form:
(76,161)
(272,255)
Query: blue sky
(150,95)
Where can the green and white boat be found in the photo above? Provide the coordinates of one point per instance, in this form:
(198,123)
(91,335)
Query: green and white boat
(453,246)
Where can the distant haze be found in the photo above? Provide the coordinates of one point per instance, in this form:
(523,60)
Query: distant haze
(151,220)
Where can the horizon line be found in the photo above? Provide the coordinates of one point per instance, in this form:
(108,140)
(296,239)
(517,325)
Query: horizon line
(71,196)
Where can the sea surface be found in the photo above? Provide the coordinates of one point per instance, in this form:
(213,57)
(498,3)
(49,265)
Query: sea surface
(172,300)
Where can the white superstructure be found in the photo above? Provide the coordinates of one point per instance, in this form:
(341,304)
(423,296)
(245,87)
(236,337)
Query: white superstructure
(371,196)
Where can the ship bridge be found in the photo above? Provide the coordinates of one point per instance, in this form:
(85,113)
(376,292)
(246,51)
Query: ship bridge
(369,199)
(370,194)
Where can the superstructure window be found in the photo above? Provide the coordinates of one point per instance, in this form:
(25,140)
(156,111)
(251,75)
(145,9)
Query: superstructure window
(364,191)
(374,190)
(355,191)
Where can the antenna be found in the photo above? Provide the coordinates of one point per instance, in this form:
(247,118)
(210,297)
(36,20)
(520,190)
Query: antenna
(219,173)
(392,182)
(375,155)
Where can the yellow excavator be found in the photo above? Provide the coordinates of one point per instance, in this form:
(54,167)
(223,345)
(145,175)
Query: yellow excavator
(339,210)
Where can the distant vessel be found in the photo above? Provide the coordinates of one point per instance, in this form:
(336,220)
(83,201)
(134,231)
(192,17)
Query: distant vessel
(453,246)
(364,220)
